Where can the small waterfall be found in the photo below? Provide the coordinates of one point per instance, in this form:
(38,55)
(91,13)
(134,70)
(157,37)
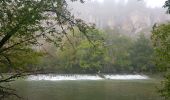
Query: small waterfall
(53,77)
(64,77)
(126,77)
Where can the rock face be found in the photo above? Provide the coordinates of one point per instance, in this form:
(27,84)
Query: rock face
(127,16)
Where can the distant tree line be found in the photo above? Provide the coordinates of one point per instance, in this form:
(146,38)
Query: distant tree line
(107,52)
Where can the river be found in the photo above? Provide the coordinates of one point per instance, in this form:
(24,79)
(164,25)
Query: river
(86,87)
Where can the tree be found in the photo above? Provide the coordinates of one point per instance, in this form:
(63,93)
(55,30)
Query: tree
(92,56)
(83,56)
(141,55)
(161,43)
(167,5)
(118,49)
(24,24)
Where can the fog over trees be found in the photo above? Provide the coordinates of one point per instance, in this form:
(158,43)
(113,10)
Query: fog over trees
(129,17)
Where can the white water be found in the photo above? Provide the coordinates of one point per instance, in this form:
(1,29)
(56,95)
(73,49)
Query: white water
(126,77)
(53,77)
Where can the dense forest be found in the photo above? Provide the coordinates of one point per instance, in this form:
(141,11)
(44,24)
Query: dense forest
(107,51)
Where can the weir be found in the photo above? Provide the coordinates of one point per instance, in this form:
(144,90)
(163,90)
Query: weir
(54,77)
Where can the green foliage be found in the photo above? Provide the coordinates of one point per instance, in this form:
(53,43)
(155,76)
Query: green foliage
(28,24)
(105,52)
(86,55)
(91,57)
(161,43)
(119,47)
(31,23)
(141,55)
(21,58)
(165,91)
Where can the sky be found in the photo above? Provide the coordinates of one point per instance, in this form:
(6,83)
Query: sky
(155,3)
(149,3)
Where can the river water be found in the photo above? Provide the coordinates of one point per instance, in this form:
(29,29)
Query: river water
(87,87)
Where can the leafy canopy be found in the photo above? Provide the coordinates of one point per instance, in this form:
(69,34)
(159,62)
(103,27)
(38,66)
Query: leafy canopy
(27,23)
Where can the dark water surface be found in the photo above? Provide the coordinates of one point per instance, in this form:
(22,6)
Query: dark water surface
(87,90)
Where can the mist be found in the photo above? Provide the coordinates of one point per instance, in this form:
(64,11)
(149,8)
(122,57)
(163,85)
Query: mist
(129,17)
